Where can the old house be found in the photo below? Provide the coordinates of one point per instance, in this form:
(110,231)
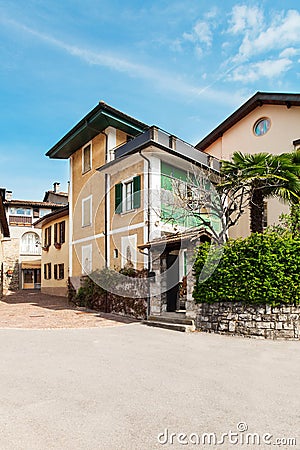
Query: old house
(55,251)
(22,251)
(267,122)
(119,168)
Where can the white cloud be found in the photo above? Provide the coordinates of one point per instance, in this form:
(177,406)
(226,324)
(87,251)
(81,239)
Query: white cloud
(283,32)
(263,69)
(245,18)
(289,52)
(201,33)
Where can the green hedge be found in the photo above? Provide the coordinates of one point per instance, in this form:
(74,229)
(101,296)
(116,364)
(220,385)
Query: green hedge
(261,269)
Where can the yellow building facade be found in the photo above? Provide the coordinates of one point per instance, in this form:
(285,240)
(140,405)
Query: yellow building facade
(116,169)
(55,252)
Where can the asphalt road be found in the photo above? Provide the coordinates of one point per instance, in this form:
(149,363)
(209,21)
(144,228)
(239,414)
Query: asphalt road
(120,387)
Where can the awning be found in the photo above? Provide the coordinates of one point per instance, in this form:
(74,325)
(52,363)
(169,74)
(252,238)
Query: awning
(31,265)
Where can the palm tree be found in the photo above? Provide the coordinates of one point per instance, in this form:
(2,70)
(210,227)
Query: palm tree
(261,176)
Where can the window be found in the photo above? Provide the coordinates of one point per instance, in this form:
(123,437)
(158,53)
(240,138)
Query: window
(47,271)
(59,232)
(30,244)
(129,251)
(86,259)
(262,126)
(87,211)
(86,158)
(128,195)
(116,253)
(21,211)
(59,271)
(47,237)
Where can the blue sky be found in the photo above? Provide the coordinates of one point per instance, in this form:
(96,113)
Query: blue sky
(181,65)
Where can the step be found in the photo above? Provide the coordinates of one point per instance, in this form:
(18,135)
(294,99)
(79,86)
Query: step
(172,319)
(179,313)
(170,326)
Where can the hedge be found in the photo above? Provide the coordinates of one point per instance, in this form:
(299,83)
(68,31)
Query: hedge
(261,269)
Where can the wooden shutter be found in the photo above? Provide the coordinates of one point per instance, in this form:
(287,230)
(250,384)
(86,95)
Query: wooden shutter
(136,192)
(62,227)
(118,198)
(55,234)
(55,271)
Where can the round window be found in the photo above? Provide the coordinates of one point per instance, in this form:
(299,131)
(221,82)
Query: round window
(262,126)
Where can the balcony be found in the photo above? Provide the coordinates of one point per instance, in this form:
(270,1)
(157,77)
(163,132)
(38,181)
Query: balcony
(20,221)
(172,144)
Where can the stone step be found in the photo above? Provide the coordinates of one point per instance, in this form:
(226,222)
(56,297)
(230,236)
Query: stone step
(170,326)
(171,319)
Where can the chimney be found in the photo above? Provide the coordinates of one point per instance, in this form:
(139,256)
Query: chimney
(8,196)
(56,187)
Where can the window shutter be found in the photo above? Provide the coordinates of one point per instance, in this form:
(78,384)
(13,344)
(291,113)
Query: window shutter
(62,232)
(55,271)
(118,198)
(45,271)
(55,233)
(136,192)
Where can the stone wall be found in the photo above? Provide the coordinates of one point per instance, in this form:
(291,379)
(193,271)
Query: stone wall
(249,320)
(11,264)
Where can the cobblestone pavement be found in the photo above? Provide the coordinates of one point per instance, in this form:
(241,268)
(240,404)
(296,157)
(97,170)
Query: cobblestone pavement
(32,309)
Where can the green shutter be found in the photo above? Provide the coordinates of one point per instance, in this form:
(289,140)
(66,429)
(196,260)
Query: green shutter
(136,192)
(118,198)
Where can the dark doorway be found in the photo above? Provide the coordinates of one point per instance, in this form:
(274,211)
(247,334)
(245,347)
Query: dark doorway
(172,281)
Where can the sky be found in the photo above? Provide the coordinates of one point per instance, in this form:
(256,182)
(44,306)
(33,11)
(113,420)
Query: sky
(181,65)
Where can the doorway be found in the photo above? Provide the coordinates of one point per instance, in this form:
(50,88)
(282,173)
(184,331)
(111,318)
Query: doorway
(172,281)
(31,278)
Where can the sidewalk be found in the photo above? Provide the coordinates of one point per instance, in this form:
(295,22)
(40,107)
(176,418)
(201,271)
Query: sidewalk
(31,309)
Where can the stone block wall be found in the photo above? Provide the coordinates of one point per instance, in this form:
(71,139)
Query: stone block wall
(261,321)
(11,263)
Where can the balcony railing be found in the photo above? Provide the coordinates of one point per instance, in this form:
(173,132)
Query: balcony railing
(170,143)
(22,221)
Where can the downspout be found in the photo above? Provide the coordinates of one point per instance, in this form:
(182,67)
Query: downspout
(148,227)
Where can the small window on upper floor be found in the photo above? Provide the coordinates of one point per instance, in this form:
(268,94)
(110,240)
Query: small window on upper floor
(87,211)
(86,158)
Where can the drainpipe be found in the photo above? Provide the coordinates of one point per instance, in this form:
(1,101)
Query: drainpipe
(148,224)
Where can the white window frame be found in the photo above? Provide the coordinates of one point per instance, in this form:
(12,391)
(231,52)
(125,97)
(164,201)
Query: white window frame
(84,200)
(30,244)
(130,241)
(128,199)
(91,157)
(87,250)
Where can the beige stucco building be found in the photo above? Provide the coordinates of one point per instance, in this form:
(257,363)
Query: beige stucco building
(118,166)
(55,251)
(267,122)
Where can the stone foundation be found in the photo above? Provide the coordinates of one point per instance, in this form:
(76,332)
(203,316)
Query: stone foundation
(261,321)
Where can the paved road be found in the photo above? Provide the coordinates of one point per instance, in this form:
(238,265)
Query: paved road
(119,387)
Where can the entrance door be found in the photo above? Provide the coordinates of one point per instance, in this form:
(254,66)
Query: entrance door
(28,279)
(37,278)
(172,281)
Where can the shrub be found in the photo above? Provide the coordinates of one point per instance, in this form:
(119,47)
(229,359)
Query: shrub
(261,269)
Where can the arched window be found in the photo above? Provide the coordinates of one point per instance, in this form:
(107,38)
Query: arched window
(30,244)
